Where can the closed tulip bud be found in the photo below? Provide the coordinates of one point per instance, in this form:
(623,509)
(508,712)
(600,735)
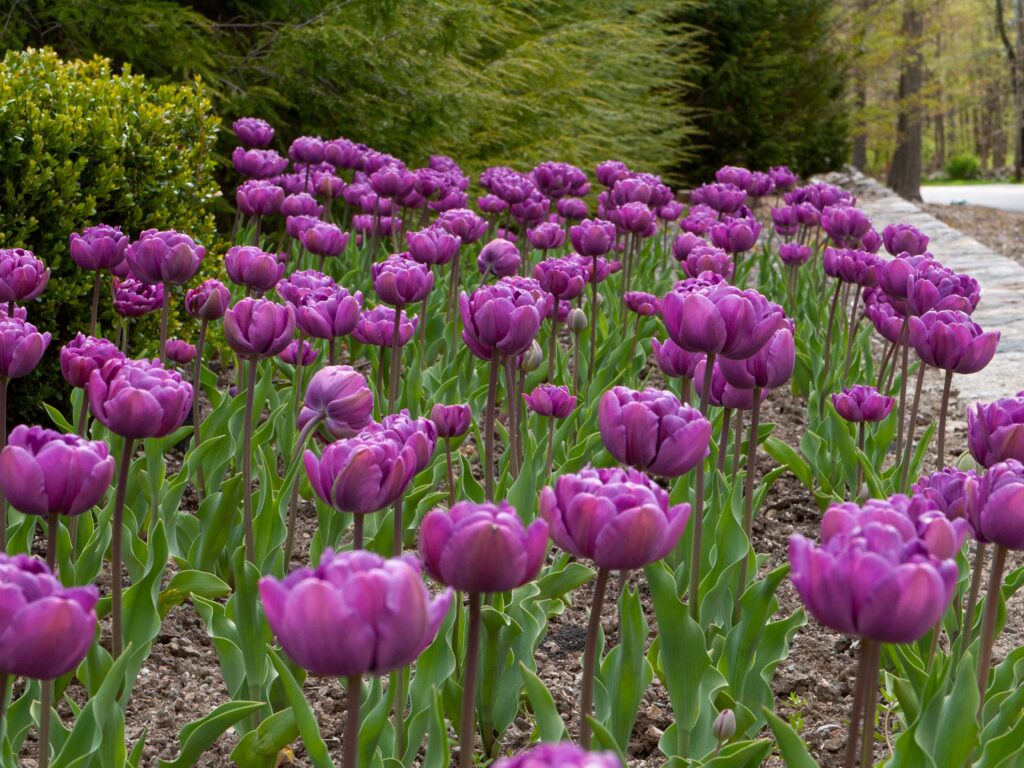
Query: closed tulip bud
(769,368)
(760,185)
(499,258)
(951,341)
(652,431)
(904,238)
(532,359)
(794,253)
(47,628)
(208,301)
(291,353)
(21,347)
(83,355)
(340,396)
(307,149)
(99,247)
(862,403)
(724,727)
(324,239)
(433,245)
(499,319)
(23,277)
(894,277)
(551,401)
(577,321)
(258,163)
(611,171)
(673,360)
(481,548)
(644,304)
(721,320)
(593,237)
(257,328)
(139,399)
(134,298)
(180,352)
(399,281)
(253,268)
(705,258)
(619,518)
(328,313)
(871,241)
(343,153)
(253,132)
(377,326)
(43,472)
(355,613)
(164,257)
(785,220)
(995,431)
(362,474)
(735,236)
(451,420)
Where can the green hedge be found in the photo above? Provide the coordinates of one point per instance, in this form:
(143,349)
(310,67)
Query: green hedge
(82,146)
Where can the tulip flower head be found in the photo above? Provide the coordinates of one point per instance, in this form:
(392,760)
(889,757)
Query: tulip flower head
(208,301)
(673,360)
(180,352)
(794,253)
(904,238)
(563,278)
(707,258)
(642,303)
(769,368)
(138,398)
(83,355)
(735,236)
(499,258)
(323,239)
(862,403)
(257,328)
(463,224)
(99,247)
(253,268)
(377,327)
(253,132)
(723,394)
(340,396)
(433,245)
(21,347)
(23,277)
(950,340)
(259,197)
(500,319)
(399,281)
(134,298)
(291,353)
(563,754)
(998,517)
(451,420)
(551,401)
(328,313)
(995,431)
(258,163)
(164,257)
(720,320)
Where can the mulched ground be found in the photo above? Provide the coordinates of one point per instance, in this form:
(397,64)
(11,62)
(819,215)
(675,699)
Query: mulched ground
(1002,231)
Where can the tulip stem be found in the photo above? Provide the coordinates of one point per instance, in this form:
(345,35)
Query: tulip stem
(577,342)
(492,396)
(293,505)
(685,390)
(4,381)
(874,648)
(912,425)
(351,749)
(357,531)
(453,302)
(398,529)
(250,401)
(332,351)
(737,447)
(552,345)
(466,718)
(590,656)
(4,679)
(165,313)
(947,384)
(197,376)
(593,321)
(698,498)
(456,635)
(513,419)
(853,734)
(551,449)
(904,341)
(115,544)
(95,302)
(851,329)
(988,624)
(884,364)
(83,416)
(860,470)
(451,472)
(967,629)
(396,352)
(723,439)
(828,340)
(748,498)
(379,382)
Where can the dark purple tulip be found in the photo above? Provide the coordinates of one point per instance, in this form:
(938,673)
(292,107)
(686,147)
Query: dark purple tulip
(342,153)
(306,282)
(721,320)
(998,517)
(871,241)
(882,314)
(845,225)
(636,218)
(735,175)
(550,400)
(257,328)
(290,354)
(43,472)
(355,613)
(464,224)
(377,327)
(670,211)
(707,258)
(323,239)
(499,319)
(593,237)
(785,220)
(259,197)
(21,347)
(735,236)
(951,341)
(22,276)
(451,420)
(296,225)
(134,298)
(327,185)
(700,284)
(611,171)
(138,398)
(433,245)
(723,198)
(499,258)
(933,286)
(605,268)
(258,163)
(164,257)
(852,266)
(46,629)
(253,268)
(782,177)
(532,210)
(392,181)
(83,355)
(862,403)
(418,434)
(794,253)
(180,352)
(307,149)
(253,132)
(491,204)
(685,244)
(481,548)
(951,491)
(208,301)
(723,394)
(995,431)
(894,277)
(399,281)
(619,518)
(652,431)
(646,304)
(328,313)
(512,187)
(340,396)
(99,247)
(673,360)
(561,755)
(769,368)
(362,474)
(302,204)
(572,209)
(760,185)
(556,179)
(546,236)
(904,238)
(563,278)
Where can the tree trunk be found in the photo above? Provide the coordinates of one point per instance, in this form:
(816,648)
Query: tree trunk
(905,171)
(940,142)
(860,96)
(1014,52)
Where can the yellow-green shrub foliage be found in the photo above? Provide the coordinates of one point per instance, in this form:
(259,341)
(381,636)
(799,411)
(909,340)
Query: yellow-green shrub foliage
(81,146)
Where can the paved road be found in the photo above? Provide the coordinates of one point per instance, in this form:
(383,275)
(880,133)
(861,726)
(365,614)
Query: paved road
(1008,197)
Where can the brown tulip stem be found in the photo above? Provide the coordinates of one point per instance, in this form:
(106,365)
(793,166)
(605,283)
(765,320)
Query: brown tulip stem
(940,452)
(860,470)
(513,419)
(874,648)
(737,447)
(492,397)
(698,499)
(590,653)
(379,383)
(466,718)
(748,498)
(451,472)
(577,342)
(357,531)
(851,333)
(723,440)
(967,628)
(398,529)
(912,426)
(457,634)
(853,734)
(293,504)
(551,449)
(396,361)
(95,302)
(197,387)
(884,365)
(350,757)
(828,337)
(115,544)
(988,623)
(593,321)
(46,700)
(685,390)
(904,341)
(553,345)
(332,351)
(250,402)
(165,314)
(4,381)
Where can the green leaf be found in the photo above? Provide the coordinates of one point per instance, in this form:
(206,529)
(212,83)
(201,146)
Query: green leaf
(794,751)
(199,735)
(259,748)
(304,717)
(549,722)
(184,584)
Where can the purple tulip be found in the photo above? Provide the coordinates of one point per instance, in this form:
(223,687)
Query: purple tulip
(328,313)
(670,211)
(572,208)
(499,257)
(760,185)
(305,282)
(998,517)
(952,491)
(419,434)
(259,197)
(301,204)
(721,320)
(164,257)
(723,394)
(258,163)
(99,247)
(551,401)
(904,238)
(611,171)
(451,420)
(951,341)
(464,224)
(873,575)
(180,352)
(355,613)
(894,277)
(619,518)
(636,218)
(782,177)
(291,353)
(723,198)
(491,204)
(685,244)
(342,153)
(995,431)
(563,278)
(256,328)
(707,258)
(323,239)
(644,304)
(294,226)
(499,319)
(794,253)
(377,327)
(888,321)
(556,179)
(481,548)
(559,755)
(735,236)
(134,298)
(22,276)
(83,355)
(21,347)
(307,149)
(593,237)
(546,236)
(862,403)
(253,132)
(673,360)
(652,431)
(871,241)
(933,286)
(399,281)
(845,225)
(598,268)
(207,301)
(253,268)
(340,396)
(433,245)
(43,472)
(768,368)
(392,182)
(138,399)
(362,474)
(785,220)
(732,174)
(852,266)
(47,629)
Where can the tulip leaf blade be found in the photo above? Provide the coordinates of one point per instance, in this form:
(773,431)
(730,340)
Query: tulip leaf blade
(794,751)
(260,746)
(197,736)
(786,455)
(304,717)
(549,723)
